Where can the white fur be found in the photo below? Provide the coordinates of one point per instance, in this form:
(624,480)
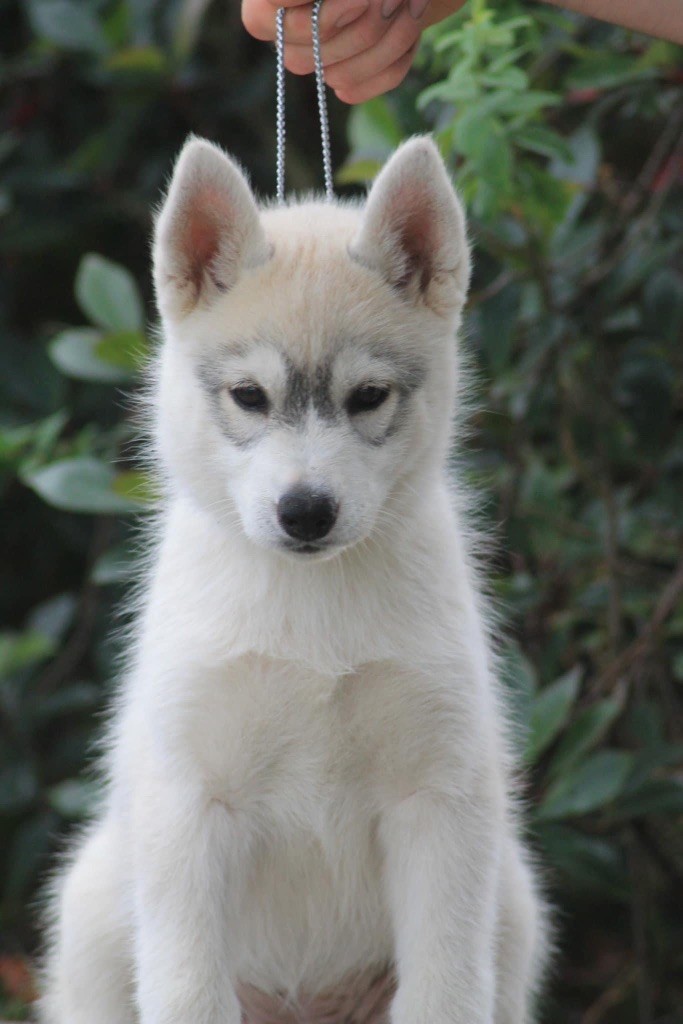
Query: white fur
(307,769)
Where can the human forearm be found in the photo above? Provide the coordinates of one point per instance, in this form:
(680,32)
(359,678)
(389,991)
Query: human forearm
(663,18)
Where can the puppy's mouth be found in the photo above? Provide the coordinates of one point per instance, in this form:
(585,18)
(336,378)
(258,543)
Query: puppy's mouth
(306,549)
(312,552)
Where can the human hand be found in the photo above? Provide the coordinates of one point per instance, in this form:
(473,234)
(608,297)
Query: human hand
(367,46)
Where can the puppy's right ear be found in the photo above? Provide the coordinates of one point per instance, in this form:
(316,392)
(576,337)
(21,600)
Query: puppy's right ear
(413,229)
(207,232)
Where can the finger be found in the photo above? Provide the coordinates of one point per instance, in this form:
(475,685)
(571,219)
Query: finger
(288,3)
(401,37)
(364,34)
(388,79)
(259,17)
(334,16)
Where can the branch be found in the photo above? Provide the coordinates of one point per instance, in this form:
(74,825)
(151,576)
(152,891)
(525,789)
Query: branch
(635,650)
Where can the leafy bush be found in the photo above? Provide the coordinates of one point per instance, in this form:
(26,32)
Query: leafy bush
(575,323)
(563,137)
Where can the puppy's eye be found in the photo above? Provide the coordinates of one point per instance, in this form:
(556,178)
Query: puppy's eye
(250,397)
(366,398)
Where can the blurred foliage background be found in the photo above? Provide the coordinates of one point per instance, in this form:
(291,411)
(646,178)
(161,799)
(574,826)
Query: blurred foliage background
(564,136)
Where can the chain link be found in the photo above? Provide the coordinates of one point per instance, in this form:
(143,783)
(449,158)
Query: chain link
(281,129)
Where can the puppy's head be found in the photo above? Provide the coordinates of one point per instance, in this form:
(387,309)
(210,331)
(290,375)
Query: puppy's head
(309,358)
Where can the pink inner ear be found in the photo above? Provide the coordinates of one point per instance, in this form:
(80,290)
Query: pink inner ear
(204,225)
(415,224)
(415,243)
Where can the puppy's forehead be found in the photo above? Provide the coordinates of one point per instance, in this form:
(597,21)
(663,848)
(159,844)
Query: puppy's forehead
(332,363)
(312,304)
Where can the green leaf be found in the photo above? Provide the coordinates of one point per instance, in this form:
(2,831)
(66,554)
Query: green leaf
(115,566)
(648,762)
(519,679)
(358,172)
(603,69)
(148,60)
(75,799)
(127,351)
(18,787)
(539,139)
(75,353)
(589,863)
(583,734)
(68,24)
(187,20)
(658,796)
(510,79)
(53,617)
(23,650)
(508,57)
(373,129)
(491,156)
(550,710)
(498,324)
(36,440)
(595,783)
(68,701)
(47,432)
(139,486)
(663,297)
(581,163)
(530,103)
(26,853)
(82,484)
(457,88)
(108,295)
(477,137)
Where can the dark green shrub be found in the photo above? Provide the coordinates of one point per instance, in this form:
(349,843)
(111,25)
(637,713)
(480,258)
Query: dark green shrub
(564,138)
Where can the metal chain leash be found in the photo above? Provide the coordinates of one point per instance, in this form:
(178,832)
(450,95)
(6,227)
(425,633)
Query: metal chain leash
(322,102)
(280,104)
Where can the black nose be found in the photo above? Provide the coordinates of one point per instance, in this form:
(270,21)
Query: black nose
(305,514)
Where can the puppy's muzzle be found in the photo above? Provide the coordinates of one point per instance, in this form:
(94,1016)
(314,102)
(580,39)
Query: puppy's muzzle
(306,515)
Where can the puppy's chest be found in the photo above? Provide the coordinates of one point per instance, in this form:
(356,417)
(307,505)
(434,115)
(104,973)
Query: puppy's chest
(276,738)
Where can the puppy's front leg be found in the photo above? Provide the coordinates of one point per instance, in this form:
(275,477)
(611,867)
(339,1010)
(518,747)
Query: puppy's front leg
(441,864)
(186,858)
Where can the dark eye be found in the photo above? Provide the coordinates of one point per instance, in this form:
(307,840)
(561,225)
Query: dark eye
(250,397)
(366,398)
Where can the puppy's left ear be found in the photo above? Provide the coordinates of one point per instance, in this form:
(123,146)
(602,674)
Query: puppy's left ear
(413,231)
(208,230)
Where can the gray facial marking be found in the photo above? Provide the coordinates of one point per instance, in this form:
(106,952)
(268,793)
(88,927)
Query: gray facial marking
(400,415)
(210,381)
(395,424)
(411,371)
(409,376)
(208,375)
(306,389)
(312,388)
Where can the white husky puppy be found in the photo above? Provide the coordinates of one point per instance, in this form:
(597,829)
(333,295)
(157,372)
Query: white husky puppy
(308,809)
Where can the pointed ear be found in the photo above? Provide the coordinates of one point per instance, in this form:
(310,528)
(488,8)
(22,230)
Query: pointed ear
(413,231)
(207,232)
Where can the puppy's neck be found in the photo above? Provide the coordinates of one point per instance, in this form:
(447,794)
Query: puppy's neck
(329,615)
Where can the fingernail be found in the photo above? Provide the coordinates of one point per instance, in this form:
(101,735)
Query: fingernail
(417,8)
(351,14)
(389,8)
